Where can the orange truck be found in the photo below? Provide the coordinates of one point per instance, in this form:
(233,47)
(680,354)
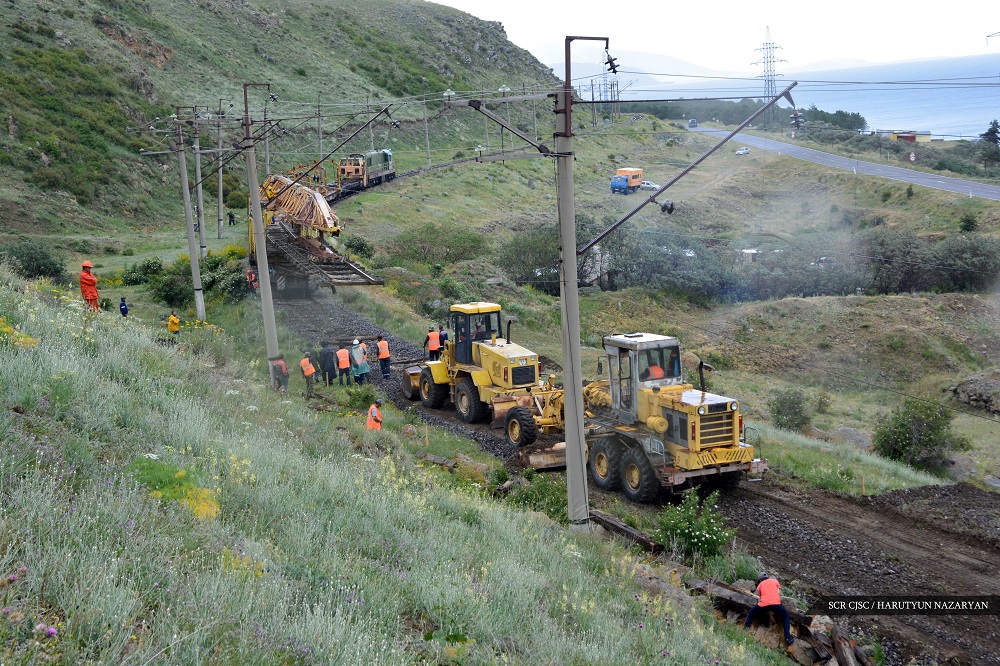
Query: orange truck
(626,180)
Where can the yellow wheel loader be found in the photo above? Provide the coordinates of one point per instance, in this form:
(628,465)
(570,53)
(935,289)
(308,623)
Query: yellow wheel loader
(487,377)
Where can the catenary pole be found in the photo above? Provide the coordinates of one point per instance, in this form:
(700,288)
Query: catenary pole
(218,170)
(576,482)
(260,236)
(200,194)
(427,133)
(319,125)
(199,297)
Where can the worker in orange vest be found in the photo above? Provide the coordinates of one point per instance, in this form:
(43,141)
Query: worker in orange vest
(433,344)
(309,372)
(770,600)
(343,365)
(280,373)
(252,281)
(652,372)
(88,286)
(374,421)
(383,356)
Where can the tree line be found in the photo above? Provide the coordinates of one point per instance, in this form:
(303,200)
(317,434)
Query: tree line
(876,261)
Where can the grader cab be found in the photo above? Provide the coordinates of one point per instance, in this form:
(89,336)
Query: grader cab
(646,429)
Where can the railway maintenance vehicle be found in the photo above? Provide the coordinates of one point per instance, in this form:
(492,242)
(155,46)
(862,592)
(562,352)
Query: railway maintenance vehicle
(646,429)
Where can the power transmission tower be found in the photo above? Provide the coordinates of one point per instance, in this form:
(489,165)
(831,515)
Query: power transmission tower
(767,60)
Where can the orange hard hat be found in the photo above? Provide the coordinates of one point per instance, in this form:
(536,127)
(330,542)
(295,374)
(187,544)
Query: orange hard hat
(87,264)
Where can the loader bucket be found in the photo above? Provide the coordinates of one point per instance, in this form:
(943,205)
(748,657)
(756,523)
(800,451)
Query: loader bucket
(409,381)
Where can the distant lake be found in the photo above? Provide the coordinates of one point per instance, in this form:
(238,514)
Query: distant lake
(957,97)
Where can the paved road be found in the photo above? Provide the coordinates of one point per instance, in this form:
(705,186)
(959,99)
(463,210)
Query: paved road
(957,185)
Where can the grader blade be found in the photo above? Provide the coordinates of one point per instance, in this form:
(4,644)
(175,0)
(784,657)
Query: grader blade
(543,456)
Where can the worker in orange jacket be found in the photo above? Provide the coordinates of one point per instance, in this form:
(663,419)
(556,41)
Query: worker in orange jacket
(433,344)
(374,421)
(280,373)
(343,365)
(88,286)
(770,600)
(383,356)
(309,372)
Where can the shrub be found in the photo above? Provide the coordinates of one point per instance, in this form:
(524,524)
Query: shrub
(34,260)
(788,409)
(139,273)
(919,434)
(362,397)
(968,223)
(695,529)
(359,246)
(544,494)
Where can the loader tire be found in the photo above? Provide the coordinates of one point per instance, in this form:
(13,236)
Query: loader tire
(519,427)
(639,482)
(431,395)
(467,403)
(606,464)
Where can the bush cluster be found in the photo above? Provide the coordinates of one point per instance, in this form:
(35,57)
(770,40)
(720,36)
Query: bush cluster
(222,278)
(919,434)
(31,259)
(788,409)
(695,529)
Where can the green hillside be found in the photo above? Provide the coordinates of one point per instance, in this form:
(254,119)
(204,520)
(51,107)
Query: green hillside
(161,505)
(83,83)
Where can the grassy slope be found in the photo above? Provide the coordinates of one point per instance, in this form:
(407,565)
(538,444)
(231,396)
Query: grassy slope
(272,533)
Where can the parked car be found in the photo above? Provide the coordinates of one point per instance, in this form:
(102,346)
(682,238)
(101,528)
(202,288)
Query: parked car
(648,185)
(743,151)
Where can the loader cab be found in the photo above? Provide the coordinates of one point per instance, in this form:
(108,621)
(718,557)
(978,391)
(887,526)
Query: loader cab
(469,325)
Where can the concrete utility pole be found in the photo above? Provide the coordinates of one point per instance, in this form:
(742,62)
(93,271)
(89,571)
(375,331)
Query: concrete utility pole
(267,144)
(260,236)
(371,128)
(201,197)
(427,134)
(218,163)
(576,480)
(319,126)
(199,297)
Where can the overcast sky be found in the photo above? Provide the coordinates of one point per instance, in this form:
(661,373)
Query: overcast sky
(723,35)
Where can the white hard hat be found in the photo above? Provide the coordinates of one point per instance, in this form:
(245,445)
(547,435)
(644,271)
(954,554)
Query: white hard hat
(355,342)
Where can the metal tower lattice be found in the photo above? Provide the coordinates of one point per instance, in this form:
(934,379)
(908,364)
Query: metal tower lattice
(767,60)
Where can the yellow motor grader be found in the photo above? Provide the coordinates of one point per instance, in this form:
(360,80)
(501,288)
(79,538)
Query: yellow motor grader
(646,429)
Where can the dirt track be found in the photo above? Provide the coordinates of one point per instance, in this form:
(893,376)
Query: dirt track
(929,541)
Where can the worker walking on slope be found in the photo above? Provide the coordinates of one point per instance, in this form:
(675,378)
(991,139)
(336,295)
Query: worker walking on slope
(343,365)
(770,600)
(280,373)
(88,286)
(309,372)
(123,307)
(374,421)
(433,344)
(174,324)
(383,356)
